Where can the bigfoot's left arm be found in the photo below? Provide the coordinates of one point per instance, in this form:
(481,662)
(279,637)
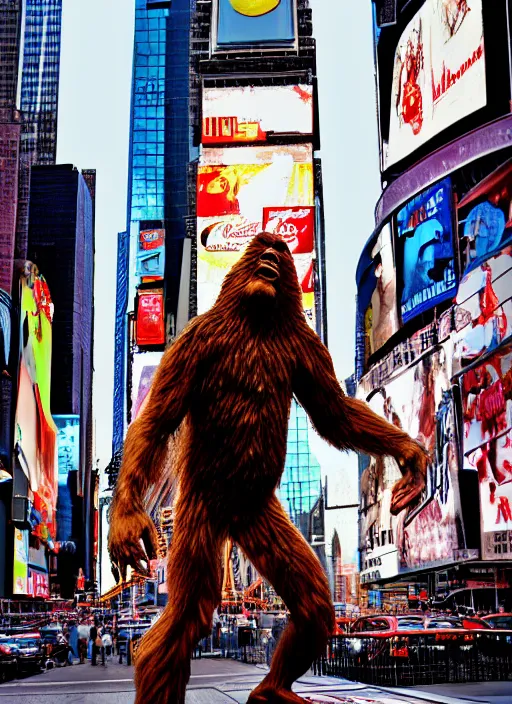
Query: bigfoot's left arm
(350,424)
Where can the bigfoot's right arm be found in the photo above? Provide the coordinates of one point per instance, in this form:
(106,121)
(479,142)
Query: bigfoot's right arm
(350,424)
(144,454)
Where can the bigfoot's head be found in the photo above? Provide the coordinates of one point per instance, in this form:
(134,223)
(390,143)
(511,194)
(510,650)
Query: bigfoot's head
(264,279)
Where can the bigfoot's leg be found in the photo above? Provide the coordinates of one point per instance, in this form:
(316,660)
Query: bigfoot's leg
(162,664)
(281,555)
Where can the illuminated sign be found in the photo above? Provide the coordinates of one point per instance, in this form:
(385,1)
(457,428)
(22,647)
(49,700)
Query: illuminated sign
(439,74)
(20,566)
(68,445)
(242,190)
(144,366)
(251,23)
(425,249)
(150,318)
(251,114)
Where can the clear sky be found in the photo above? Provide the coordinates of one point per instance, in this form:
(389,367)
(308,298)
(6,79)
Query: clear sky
(94,110)
(93,131)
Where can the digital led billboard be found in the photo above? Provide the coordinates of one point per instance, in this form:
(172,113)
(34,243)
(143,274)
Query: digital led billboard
(419,401)
(252,23)
(36,433)
(487,413)
(144,366)
(150,317)
(254,113)
(150,264)
(438,75)
(239,191)
(68,444)
(425,256)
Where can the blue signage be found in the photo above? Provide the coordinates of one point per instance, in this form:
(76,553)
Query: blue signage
(254,22)
(425,250)
(68,443)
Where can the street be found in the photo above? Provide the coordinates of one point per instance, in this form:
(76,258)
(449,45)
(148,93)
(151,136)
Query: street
(216,681)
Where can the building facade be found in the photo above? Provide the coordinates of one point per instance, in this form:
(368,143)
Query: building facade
(61,244)
(39,97)
(433,353)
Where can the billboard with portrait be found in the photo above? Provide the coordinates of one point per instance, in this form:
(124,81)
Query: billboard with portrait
(36,433)
(20,564)
(247,24)
(487,411)
(254,113)
(68,448)
(144,366)
(428,534)
(424,250)
(438,75)
(150,317)
(239,192)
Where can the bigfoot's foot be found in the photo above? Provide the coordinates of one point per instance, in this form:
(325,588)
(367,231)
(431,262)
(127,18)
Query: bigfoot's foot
(267,695)
(408,489)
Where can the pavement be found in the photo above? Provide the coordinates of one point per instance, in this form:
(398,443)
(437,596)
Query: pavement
(218,681)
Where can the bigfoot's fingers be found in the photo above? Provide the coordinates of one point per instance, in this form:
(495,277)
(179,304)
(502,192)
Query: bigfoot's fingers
(124,544)
(408,489)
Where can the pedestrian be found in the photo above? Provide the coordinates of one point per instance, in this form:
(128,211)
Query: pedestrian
(93,635)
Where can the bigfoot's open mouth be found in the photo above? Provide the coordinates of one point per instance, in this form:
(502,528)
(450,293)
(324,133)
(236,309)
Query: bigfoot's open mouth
(269,266)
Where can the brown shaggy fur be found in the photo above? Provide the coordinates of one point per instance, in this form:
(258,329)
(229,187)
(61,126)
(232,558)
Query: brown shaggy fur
(228,383)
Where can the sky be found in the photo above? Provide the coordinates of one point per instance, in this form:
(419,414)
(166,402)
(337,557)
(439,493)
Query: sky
(93,132)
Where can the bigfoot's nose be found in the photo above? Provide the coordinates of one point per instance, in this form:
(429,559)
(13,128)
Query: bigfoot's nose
(270,256)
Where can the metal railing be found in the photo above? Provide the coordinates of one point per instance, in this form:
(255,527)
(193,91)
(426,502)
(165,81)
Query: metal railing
(419,658)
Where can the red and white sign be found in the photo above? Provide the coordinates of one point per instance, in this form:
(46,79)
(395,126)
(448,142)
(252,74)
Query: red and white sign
(249,114)
(295,225)
(150,318)
(151,239)
(439,74)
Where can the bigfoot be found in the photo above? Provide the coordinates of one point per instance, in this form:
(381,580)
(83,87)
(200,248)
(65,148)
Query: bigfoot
(227,384)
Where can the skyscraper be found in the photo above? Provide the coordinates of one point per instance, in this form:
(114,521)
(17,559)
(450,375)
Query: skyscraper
(61,244)
(10,23)
(41,43)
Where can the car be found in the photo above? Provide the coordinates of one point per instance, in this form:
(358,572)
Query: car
(501,621)
(28,649)
(465,622)
(390,624)
(8,664)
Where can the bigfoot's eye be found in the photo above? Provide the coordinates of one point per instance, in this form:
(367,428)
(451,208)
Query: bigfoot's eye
(280,246)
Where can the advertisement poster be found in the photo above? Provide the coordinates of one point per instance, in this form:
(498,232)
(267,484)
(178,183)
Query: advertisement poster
(438,75)
(487,407)
(239,191)
(425,256)
(485,218)
(151,255)
(20,566)
(420,402)
(483,312)
(144,366)
(150,318)
(251,113)
(249,23)
(68,444)
(36,433)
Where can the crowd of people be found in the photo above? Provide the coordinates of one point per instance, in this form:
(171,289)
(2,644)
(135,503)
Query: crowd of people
(84,640)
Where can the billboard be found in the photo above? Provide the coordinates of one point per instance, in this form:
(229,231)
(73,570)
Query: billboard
(36,433)
(483,310)
(424,250)
(240,24)
(144,366)
(239,192)
(438,74)
(487,409)
(150,264)
(150,317)
(253,113)
(427,534)
(68,453)
(20,565)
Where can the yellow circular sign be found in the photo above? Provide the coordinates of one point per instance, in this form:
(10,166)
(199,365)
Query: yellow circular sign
(254,8)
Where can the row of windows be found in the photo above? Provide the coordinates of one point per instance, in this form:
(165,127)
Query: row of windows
(148,148)
(151,72)
(145,160)
(151,23)
(152,60)
(141,187)
(150,36)
(148,200)
(148,213)
(141,111)
(151,174)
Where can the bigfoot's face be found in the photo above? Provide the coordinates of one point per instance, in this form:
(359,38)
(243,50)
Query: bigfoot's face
(265,276)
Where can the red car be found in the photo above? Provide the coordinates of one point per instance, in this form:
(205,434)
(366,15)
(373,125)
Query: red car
(499,621)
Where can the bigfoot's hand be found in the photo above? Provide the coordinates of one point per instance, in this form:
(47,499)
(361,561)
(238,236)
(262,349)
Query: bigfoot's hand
(413,465)
(127,530)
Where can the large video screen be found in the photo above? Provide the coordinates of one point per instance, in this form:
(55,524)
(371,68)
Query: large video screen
(438,75)
(252,23)
(253,113)
(425,250)
(241,191)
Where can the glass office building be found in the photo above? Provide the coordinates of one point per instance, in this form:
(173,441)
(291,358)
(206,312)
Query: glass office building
(39,99)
